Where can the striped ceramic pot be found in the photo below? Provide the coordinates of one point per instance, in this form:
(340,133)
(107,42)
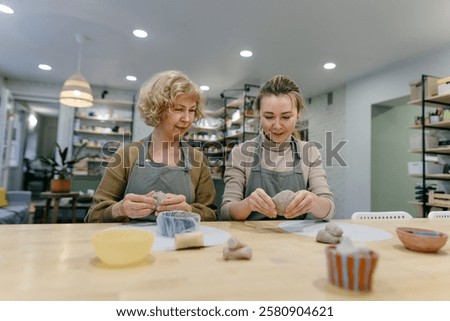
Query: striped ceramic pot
(351,271)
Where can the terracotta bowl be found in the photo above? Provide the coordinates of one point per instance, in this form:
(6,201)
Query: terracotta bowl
(421,240)
(120,247)
(351,271)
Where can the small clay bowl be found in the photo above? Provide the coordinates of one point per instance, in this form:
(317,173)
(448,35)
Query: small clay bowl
(421,240)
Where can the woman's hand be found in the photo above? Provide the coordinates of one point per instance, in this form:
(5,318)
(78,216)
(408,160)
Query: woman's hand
(303,203)
(260,202)
(174,202)
(135,205)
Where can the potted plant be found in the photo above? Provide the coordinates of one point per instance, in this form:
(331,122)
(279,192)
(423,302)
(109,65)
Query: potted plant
(62,168)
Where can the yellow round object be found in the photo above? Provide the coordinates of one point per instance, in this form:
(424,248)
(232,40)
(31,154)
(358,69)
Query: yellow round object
(119,247)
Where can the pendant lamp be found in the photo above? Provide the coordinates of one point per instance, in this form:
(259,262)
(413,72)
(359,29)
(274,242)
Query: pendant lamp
(76,91)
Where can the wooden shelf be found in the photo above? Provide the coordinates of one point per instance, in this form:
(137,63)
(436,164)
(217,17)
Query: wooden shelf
(197,128)
(117,103)
(91,132)
(441,177)
(427,204)
(237,103)
(436,150)
(443,99)
(104,120)
(95,147)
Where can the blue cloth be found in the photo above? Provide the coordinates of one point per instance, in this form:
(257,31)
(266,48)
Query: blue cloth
(17,210)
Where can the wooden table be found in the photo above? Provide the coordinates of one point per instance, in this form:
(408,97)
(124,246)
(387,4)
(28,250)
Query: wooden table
(56,197)
(57,262)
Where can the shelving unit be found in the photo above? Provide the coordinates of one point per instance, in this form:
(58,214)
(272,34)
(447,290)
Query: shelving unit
(429,100)
(241,123)
(207,135)
(219,131)
(104,127)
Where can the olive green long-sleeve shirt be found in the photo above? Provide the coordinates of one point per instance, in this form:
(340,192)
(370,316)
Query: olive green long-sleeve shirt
(113,184)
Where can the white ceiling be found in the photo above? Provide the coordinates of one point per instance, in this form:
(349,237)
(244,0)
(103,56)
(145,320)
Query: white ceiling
(204,37)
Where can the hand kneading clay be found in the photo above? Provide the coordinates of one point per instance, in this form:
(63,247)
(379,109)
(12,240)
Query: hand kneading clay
(325,237)
(175,222)
(236,250)
(282,200)
(188,240)
(159,197)
(334,229)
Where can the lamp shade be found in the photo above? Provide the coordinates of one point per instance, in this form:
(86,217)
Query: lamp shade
(76,92)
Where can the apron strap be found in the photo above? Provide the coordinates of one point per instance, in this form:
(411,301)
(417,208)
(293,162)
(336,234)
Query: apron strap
(295,146)
(184,147)
(297,157)
(256,165)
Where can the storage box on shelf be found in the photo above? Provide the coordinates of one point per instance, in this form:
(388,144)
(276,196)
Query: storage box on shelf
(416,168)
(430,88)
(433,142)
(439,199)
(443,85)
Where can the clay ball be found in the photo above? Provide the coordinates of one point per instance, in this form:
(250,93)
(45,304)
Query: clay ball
(282,200)
(334,229)
(159,197)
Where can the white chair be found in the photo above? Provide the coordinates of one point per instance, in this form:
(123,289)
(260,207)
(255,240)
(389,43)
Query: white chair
(439,214)
(398,215)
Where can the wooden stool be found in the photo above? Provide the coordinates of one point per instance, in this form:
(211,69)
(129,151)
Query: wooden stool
(49,196)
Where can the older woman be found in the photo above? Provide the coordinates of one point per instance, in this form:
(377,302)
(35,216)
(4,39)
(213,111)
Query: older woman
(276,160)
(161,162)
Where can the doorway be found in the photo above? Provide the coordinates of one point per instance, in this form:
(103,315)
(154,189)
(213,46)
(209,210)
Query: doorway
(391,187)
(40,140)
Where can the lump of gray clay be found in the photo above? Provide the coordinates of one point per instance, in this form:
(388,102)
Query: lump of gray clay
(159,197)
(282,200)
(334,229)
(236,250)
(242,253)
(325,237)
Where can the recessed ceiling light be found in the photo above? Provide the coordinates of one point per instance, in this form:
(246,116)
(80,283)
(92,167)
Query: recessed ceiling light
(131,78)
(246,53)
(204,87)
(6,9)
(140,33)
(44,67)
(329,65)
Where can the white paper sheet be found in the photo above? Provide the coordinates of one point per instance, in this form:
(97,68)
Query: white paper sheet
(355,232)
(211,236)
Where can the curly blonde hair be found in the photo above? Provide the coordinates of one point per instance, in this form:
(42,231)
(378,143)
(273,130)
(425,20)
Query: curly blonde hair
(158,95)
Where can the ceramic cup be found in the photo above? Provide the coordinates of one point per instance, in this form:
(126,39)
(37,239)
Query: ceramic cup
(351,271)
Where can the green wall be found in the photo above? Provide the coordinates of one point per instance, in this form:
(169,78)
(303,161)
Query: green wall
(391,187)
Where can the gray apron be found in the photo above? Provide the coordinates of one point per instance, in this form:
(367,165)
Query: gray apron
(273,182)
(149,176)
